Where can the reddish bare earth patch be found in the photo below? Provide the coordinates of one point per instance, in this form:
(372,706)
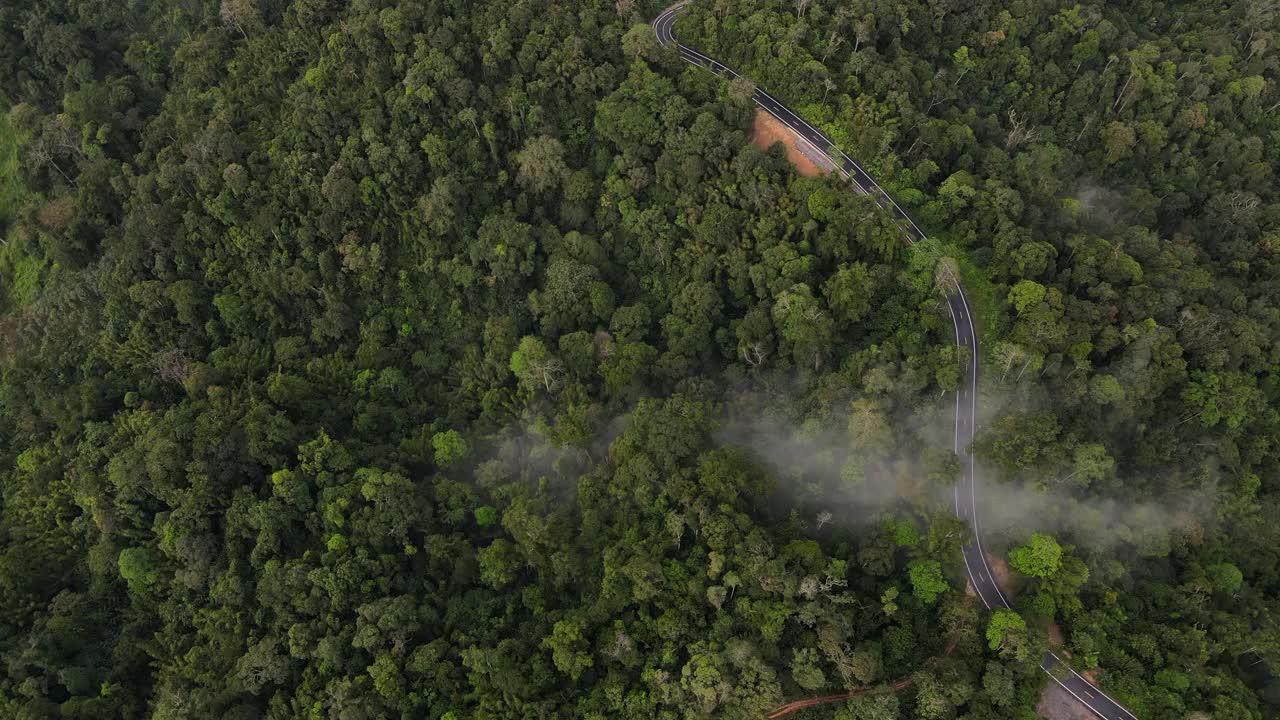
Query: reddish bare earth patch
(1000,571)
(767,130)
(1058,704)
(1055,636)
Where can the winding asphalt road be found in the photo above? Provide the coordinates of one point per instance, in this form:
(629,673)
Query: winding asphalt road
(966,491)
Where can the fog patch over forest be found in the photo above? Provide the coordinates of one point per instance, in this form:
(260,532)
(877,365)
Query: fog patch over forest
(813,463)
(1008,512)
(1098,206)
(816,464)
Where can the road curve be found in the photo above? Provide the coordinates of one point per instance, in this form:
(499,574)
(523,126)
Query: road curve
(966,491)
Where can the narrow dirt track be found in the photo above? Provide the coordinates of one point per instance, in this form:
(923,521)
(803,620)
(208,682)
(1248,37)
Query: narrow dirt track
(801,704)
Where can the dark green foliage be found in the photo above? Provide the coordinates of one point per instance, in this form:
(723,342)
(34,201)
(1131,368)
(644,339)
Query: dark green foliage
(1111,167)
(386,359)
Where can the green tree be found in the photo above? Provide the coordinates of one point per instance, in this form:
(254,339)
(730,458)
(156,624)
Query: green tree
(1118,139)
(869,428)
(139,568)
(874,706)
(1226,578)
(1006,631)
(449,447)
(1090,463)
(926,580)
(849,292)
(1040,557)
(998,683)
(486,515)
(1106,390)
(540,164)
(535,366)
(805,669)
(568,648)
(1026,294)
(500,563)
(865,664)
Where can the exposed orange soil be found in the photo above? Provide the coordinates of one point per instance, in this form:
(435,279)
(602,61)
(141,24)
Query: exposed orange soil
(1058,704)
(1056,638)
(999,571)
(767,130)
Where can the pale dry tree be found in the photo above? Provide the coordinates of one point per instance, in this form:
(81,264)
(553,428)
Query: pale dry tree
(1243,206)
(946,275)
(809,587)
(546,370)
(823,518)
(675,526)
(834,40)
(753,353)
(619,645)
(171,365)
(1259,14)
(1019,132)
(237,14)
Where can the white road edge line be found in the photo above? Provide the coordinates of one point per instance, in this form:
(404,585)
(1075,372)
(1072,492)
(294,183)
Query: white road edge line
(1095,710)
(1085,680)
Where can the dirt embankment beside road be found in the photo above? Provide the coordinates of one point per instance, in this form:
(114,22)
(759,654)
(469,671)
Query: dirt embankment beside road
(767,130)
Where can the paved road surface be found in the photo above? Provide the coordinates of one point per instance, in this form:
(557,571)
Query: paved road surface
(966,491)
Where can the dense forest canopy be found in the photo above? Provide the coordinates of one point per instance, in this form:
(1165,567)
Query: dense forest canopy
(465,360)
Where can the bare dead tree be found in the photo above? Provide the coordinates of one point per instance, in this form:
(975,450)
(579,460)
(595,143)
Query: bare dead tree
(823,518)
(1019,132)
(938,95)
(862,31)
(675,526)
(171,365)
(1031,358)
(809,587)
(918,142)
(620,645)
(834,40)
(1243,205)
(39,154)
(946,275)
(754,353)
(827,86)
(1008,354)
(65,137)
(1122,98)
(1259,14)
(238,13)
(1087,121)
